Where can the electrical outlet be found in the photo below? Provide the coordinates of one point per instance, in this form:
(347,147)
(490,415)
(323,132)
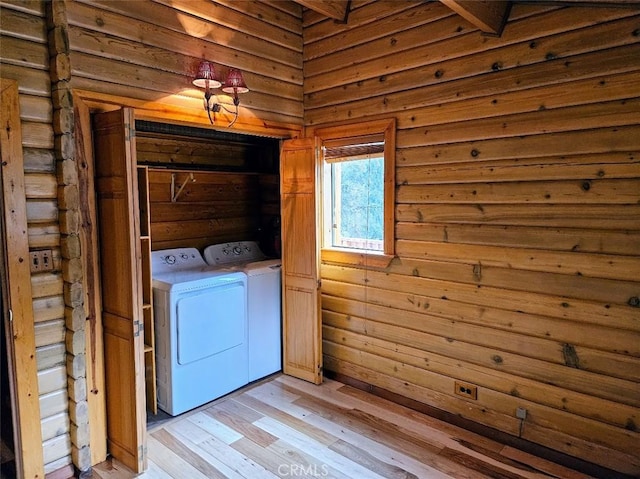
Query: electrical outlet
(466,390)
(41,260)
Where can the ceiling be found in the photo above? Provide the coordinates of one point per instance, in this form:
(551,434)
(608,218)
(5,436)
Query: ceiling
(490,16)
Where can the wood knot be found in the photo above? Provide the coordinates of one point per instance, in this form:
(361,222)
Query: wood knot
(586,185)
(634,302)
(475,153)
(570,356)
(497,359)
(439,73)
(496,66)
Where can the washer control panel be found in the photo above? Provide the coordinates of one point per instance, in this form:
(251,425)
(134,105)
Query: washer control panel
(237,252)
(177,259)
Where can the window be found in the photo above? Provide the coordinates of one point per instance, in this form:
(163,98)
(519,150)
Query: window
(358,176)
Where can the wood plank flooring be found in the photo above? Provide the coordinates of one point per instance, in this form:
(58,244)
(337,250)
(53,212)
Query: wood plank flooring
(283,427)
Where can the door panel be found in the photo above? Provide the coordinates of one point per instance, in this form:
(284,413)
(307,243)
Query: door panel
(121,279)
(18,302)
(302,355)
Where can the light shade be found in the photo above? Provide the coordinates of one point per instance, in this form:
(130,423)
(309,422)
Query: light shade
(206,71)
(235,83)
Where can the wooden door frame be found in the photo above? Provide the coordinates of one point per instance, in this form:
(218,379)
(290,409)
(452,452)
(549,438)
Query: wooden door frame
(86,103)
(26,408)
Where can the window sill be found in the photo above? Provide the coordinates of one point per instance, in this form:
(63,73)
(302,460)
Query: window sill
(356,258)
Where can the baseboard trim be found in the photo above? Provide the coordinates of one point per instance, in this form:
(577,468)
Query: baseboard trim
(572,462)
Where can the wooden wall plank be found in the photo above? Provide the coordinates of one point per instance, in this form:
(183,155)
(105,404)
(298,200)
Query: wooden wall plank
(413,17)
(240,21)
(577,299)
(596,217)
(171,30)
(23,25)
(560,239)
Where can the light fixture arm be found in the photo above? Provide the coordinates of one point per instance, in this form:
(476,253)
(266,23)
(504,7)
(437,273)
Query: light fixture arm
(206,78)
(217,108)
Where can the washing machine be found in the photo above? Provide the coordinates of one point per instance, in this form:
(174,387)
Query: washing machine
(264,301)
(200,317)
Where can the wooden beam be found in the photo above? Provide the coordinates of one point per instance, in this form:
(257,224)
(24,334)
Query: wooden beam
(489,16)
(336,9)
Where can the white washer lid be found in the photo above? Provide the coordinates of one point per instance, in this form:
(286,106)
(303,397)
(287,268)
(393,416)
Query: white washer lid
(263,267)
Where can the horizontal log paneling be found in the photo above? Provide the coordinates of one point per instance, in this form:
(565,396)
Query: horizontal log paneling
(393,376)
(560,239)
(562,331)
(518,225)
(50,356)
(24,53)
(481,57)
(241,20)
(163,27)
(573,301)
(24,56)
(553,396)
(23,25)
(417,358)
(617,113)
(144,78)
(281,15)
(595,217)
(149,50)
(217,207)
(576,263)
(413,17)
(602,140)
(54,426)
(585,167)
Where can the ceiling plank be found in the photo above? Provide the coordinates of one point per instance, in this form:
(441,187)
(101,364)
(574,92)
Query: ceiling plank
(489,16)
(336,9)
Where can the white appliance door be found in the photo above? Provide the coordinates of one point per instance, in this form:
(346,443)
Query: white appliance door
(210,321)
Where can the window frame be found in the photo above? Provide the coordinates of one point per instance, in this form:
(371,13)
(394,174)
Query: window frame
(386,127)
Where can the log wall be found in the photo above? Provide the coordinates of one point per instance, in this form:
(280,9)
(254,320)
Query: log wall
(150,50)
(24,57)
(221,187)
(517,217)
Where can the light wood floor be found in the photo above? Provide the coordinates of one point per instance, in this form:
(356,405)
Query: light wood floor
(289,428)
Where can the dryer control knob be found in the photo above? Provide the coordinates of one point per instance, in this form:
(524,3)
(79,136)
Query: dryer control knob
(170,259)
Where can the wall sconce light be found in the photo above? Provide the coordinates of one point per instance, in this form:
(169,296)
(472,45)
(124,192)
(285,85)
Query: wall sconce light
(207,78)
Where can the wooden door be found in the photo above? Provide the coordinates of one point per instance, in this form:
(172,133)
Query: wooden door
(302,328)
(121,278)
(18,302)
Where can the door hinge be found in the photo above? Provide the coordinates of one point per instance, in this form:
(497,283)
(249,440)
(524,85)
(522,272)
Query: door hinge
(138,327)
(129,132)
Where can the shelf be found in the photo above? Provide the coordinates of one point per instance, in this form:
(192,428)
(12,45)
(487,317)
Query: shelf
(147,291)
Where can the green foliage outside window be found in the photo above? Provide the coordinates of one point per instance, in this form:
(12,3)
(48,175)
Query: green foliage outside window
(362,199)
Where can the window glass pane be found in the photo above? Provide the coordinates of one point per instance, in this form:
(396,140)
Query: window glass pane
(358,204)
